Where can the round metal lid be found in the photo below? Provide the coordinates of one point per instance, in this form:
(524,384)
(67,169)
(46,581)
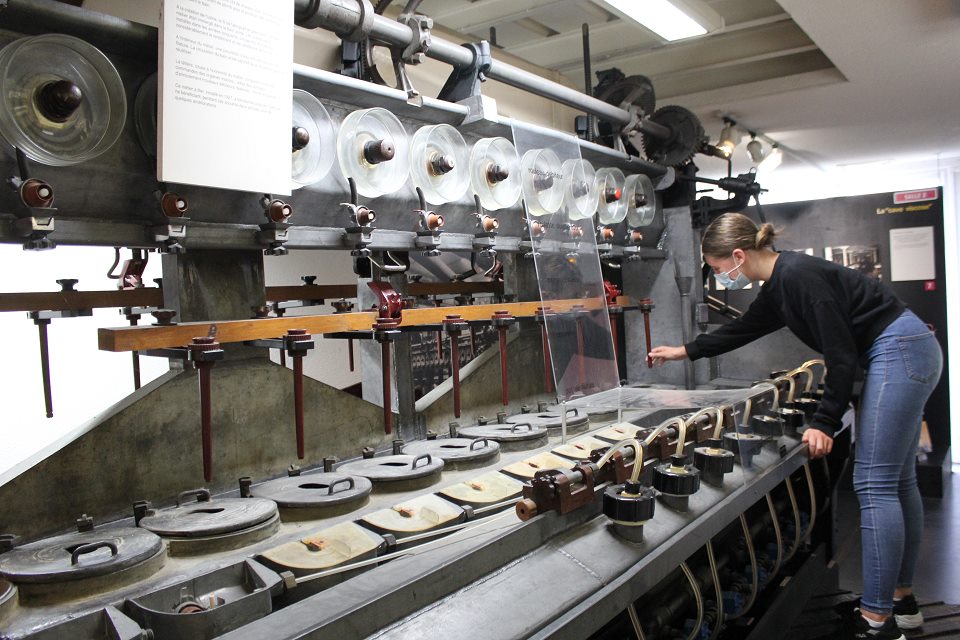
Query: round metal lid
(455,449)
(209,517)
(549,419)
(514,432)
(394,468)
(74,556)
(314,490)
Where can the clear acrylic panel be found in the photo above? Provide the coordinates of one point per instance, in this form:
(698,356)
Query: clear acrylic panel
(564,250)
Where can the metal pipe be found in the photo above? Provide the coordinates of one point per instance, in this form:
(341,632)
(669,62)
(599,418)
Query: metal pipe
(45,364)
(206,432)
(587,77)
(105,32)
(350,353)
(136,357)
(387,399)
(504,383)
(298,401)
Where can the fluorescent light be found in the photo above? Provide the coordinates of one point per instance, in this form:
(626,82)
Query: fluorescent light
(670,19)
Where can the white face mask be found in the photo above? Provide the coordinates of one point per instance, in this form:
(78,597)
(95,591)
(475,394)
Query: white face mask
(732,284)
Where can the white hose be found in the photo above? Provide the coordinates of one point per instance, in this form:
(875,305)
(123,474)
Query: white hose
(777,533)
(753,566)
(696,596)
(813,502)
(796,519)
(718,589)
(635,621)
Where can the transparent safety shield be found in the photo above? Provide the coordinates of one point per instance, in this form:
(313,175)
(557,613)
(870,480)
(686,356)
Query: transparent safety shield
(564,249)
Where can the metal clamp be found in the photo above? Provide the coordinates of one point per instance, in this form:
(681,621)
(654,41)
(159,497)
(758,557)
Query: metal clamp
(420,26)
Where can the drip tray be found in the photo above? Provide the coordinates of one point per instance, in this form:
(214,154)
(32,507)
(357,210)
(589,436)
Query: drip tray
(527,468)
(322,550)
(105,624)
(580,448)
(483,491)
(209,525)
(418,515)
(209,605)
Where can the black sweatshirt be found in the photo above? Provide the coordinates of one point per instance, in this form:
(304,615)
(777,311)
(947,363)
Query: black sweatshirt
(834,310)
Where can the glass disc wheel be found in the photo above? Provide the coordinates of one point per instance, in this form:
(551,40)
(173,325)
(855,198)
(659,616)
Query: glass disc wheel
(542,181)
(439,163)
(580,189)
(612,208)
(373,149)
(63,101)
(641,200)
(312,139)
(495,173)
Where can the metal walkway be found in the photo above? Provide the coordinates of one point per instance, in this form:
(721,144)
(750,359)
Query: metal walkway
(819,621)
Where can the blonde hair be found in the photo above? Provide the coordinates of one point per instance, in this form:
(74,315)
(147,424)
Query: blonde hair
(735,231)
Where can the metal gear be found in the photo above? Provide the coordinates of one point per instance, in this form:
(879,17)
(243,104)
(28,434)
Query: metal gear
(686,136)
(622,91)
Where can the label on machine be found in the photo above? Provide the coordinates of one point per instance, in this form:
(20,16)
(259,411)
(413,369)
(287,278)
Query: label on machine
(224,106)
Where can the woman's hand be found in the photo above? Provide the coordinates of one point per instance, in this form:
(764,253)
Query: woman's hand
(819,444)
(659,355)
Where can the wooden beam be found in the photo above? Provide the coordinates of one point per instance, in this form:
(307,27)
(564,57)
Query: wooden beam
(141,338)
(67,300)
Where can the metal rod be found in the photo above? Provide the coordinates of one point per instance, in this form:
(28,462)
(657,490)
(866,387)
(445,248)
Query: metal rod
(103,31)
(455,371)
(298,401)
(45,365)
(206,433)
(547,369)
(387,399)
(613,335)
(350,353)
(504,382)
(136,358)
(283,358)
(646,336)
(473,341)
(587,77)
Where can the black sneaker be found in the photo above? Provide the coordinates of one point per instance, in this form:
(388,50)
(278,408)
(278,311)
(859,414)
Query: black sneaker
(889,631)
(907,613)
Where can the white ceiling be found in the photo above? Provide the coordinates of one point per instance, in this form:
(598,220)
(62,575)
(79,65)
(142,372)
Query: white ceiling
(836,83)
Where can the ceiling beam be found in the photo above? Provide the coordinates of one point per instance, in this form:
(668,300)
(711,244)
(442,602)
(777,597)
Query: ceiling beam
(609,51)
(483,14)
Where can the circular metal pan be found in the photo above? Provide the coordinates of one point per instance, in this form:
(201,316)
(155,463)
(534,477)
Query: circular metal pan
(512,437)
(75,556)
(8,598)
(210,517)
(460,453)
(551,420)
(63,101)
(314,490)
(398,473)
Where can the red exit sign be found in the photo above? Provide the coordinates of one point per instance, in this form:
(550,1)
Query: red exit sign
(920,195)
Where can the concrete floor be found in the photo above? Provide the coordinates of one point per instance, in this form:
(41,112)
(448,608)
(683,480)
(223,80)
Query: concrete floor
(937,576)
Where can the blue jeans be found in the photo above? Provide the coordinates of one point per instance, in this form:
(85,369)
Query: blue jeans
(902,368)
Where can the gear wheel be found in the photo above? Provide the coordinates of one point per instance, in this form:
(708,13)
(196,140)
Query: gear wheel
(622,91)
(686,137)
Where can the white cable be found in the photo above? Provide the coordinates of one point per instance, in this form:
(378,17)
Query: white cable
(696,596)
(753,566)
(635,621)
(718,590)
(796,519)
(777,533)
(813,501)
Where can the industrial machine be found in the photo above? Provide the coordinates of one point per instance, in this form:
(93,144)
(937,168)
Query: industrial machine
(514,467)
